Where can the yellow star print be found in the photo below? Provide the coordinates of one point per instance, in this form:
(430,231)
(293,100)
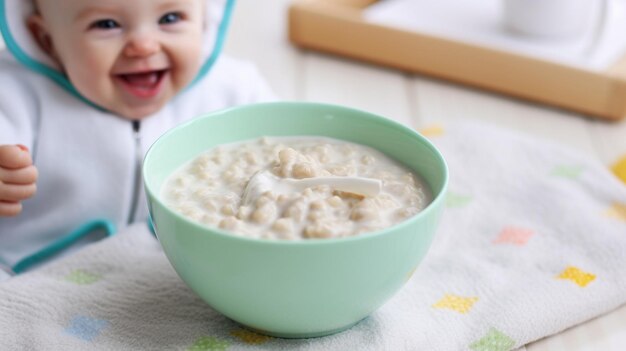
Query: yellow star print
(577,275)
(457,303)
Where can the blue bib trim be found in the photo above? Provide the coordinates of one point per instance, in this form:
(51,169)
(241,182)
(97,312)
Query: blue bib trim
(63,243)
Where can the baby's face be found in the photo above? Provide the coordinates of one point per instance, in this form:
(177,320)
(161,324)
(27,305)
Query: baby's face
(128,56)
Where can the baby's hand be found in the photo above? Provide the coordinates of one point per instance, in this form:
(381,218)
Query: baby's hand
(17,178)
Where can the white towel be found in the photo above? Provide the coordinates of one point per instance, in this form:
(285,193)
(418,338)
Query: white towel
(533,241)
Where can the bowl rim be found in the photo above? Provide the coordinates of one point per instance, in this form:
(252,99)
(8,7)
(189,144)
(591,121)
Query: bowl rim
(436,201)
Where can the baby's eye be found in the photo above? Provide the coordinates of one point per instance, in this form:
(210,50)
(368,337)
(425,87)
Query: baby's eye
(104,24)
(170,17)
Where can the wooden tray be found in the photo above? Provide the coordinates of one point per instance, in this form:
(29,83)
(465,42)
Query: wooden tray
(338,27)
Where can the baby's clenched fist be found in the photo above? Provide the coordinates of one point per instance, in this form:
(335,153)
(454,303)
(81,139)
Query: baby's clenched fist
(17,178)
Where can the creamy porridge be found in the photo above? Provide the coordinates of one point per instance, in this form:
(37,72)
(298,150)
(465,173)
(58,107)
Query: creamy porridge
(209,189)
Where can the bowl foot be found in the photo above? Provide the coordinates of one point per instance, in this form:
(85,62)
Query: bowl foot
(302,335)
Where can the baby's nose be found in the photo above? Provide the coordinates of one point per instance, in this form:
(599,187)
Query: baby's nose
(142,45)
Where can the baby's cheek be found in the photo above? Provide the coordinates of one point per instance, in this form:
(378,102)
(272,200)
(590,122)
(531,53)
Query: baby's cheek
(189,59)
(97,90)
(90,77)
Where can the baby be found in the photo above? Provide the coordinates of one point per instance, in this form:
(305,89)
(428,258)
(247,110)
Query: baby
(88,87)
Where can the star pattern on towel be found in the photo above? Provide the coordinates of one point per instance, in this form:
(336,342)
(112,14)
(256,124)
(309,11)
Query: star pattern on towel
(486,339)
(457,303)
(86,328)
(619,169)
(250,337)
(432,131)
(567,171)
(494,340)
(513,235)
(577,275)
(209,343)
(617,211)
(457,200)
(81,277)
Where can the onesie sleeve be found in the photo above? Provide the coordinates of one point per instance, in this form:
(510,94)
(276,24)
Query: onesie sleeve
(256,87)
(233,82)
(18,105)
(242,82)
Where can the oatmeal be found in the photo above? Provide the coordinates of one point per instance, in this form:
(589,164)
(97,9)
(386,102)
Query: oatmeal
(210,189)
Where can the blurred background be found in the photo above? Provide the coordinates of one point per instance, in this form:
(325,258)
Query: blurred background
(417,100)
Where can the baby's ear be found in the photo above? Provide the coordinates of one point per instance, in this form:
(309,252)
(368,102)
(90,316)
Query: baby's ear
(38,30)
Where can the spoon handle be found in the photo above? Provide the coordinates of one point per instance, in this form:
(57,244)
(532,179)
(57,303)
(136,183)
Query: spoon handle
(355,185)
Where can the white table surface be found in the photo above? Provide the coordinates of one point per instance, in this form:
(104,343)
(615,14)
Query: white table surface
(259,33)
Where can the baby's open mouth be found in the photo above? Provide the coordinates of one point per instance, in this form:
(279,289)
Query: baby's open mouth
(143,84)
(146,80)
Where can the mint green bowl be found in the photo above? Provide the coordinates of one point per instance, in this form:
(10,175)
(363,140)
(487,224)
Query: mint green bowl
(304,288)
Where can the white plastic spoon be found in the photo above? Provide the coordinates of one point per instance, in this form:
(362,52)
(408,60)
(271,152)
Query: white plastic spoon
(263,181)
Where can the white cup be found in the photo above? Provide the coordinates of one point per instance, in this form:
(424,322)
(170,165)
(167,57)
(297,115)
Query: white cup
(556,19)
